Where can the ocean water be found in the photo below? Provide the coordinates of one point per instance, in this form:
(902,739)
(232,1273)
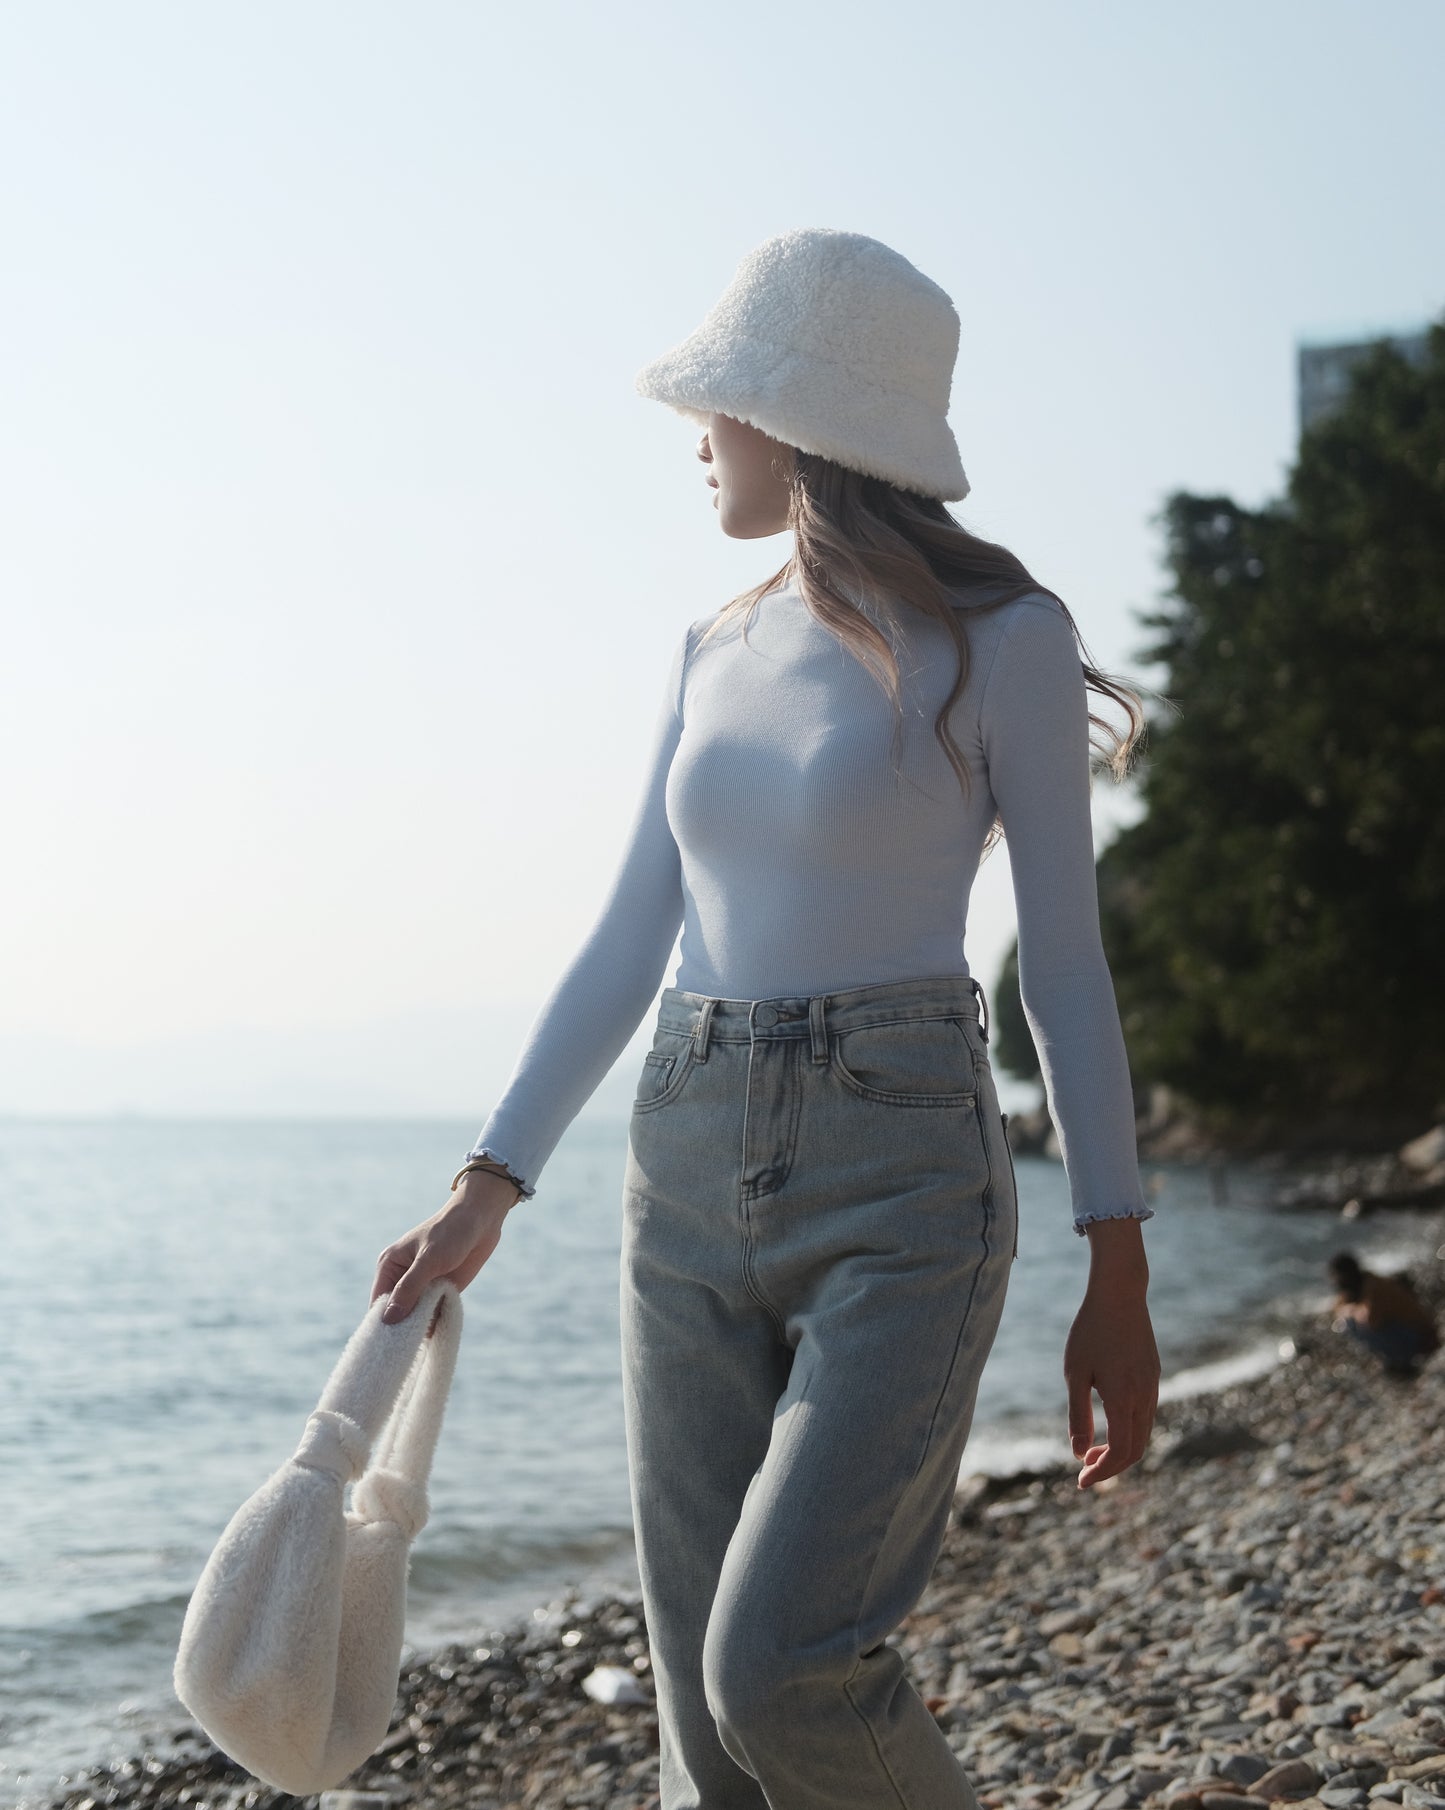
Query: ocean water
(175,1294)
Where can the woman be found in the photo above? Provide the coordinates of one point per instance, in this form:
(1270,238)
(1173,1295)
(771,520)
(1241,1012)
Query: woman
(819,1203)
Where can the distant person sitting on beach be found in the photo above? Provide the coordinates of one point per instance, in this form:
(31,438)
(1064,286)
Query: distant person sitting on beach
(1384,1313)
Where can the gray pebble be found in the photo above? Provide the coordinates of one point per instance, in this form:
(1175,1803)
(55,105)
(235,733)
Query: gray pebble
(1244,1768)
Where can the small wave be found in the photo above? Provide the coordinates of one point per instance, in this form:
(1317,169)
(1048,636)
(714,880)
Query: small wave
(477,1561)
(1221,1373)
(997,1452)
(136,1620)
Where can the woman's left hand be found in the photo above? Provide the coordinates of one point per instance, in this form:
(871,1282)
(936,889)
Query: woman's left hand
(1111,1348)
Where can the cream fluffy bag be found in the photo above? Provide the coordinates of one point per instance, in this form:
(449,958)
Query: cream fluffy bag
(290,1653)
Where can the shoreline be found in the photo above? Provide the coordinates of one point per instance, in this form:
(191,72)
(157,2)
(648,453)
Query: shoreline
(1264,1590)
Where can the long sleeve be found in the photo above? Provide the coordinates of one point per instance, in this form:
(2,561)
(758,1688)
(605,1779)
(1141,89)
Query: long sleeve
(1033,720)
(596,1005)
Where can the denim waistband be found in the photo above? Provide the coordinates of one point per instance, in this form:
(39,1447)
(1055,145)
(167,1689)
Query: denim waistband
(707,1019)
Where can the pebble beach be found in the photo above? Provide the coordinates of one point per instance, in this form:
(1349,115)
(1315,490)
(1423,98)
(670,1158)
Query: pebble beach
(1252,1614)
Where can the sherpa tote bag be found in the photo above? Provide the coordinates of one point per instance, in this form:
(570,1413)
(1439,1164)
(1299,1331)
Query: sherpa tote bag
(290,1652)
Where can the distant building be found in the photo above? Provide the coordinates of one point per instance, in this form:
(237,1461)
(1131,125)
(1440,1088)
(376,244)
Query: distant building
(1324,369)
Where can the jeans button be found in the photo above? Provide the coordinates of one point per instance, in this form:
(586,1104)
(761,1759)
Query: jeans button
(766,1015)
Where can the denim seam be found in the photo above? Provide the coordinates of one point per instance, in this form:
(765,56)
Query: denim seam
(1014,1178)
(905,1495)
(988,1218)
(790,1140)
(873,1735)
(907,1489)
(751,1281)
(797,1030)
(959,1020)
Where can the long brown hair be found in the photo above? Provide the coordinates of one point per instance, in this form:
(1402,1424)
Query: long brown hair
(857,536)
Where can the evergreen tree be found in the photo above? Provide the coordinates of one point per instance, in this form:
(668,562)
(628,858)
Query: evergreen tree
(1013,1041)
(1275,922)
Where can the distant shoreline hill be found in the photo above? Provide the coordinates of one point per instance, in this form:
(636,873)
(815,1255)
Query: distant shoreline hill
(1335,1166)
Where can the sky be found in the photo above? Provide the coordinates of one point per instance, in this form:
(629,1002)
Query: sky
(340,563)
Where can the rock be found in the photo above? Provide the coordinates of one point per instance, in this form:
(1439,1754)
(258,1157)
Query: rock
(1387,1722)
(613,1684)
(1247,1769)
(1254,1623)
(1425,1152)
(1286,1779)
(1212,1442)
(1065,1621)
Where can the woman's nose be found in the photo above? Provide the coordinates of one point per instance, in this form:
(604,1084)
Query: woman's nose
(704,451)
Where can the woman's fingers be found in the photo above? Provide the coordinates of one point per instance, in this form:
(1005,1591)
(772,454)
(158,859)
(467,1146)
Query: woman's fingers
(454,1243)
(404,1295)
(391,1266)
(1129,1413)
(1081,1413)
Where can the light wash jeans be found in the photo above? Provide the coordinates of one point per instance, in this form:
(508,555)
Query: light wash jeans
(819,1222)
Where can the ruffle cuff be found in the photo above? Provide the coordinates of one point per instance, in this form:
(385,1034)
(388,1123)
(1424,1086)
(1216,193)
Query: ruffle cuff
(493,1156)
(1087,1219)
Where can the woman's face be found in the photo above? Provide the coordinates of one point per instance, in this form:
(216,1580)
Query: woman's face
(750,471)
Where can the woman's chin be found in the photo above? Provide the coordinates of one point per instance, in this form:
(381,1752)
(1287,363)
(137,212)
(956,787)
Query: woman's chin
(746,528)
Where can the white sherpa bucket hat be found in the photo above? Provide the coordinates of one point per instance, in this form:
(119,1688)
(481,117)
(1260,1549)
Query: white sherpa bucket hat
(834,343)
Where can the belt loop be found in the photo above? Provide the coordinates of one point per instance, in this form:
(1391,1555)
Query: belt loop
(982,1008)
(817,1030)
(703,1028)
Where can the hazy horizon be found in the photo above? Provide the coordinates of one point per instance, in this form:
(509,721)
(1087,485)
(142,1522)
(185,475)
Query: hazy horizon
(342,563)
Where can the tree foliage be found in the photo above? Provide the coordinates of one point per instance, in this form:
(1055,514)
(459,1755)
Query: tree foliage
(1275,921)
(1012,1040)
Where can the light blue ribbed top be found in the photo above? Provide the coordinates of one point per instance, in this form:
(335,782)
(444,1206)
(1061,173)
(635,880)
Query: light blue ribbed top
(774,830)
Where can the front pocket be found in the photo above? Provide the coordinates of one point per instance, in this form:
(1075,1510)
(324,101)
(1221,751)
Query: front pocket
(908,1062)
(656,1072)
(662,1078)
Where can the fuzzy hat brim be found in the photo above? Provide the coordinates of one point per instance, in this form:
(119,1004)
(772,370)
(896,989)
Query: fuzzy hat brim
(811,403)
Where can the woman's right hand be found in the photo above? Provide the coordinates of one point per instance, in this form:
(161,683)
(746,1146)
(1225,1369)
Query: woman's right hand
(455,1242)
